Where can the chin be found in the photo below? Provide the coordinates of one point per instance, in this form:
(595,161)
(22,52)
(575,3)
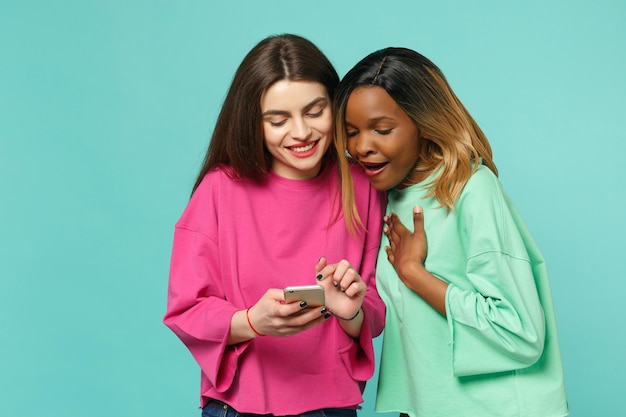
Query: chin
(380,186)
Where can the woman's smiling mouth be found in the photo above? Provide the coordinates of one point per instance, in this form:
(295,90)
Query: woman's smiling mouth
(304,149)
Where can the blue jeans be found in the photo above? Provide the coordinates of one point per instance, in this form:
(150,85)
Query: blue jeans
(216,408)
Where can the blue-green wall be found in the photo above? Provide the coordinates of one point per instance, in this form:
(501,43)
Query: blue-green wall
(105,111)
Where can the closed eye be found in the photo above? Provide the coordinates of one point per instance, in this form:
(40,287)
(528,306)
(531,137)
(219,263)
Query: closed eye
(277,124)
(383,131)
(352,133)
(318,114)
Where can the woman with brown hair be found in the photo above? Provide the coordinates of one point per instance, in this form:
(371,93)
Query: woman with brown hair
(265,214)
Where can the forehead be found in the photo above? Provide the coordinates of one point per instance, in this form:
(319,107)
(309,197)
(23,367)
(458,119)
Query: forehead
(372,102)
(286,95)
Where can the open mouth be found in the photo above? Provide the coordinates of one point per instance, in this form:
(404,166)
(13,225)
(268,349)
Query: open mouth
(303,148)
(373,169)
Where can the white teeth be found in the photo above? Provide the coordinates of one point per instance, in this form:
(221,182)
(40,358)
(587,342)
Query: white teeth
(303,148)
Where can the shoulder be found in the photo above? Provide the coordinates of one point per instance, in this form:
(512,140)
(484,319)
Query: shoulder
(482,193)
(483,177)
(220,181)
(219,175)
(482,183)
(206,198)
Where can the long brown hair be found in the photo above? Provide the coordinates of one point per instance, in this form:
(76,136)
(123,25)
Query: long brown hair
(237,139)
(453,141)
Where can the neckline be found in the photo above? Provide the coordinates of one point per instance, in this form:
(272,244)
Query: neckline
(301,184)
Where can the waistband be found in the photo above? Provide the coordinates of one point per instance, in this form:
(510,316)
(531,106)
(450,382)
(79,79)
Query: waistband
(345,412)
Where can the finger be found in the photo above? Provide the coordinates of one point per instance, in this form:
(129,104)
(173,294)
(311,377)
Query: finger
(303,318)
(343,266)
(343,275)
(392,225)
(389,254)
(387,222)
(320,264)
(326,271)
(397,227)
(318,318)
(356,288)
(349,277)
(319,267)
(390,241)
(393,237)
(300,323)
(397,235)
(418,220)
(292,308)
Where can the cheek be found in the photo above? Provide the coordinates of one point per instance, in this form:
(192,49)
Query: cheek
(272,136)
(408,159)
(324,125)
(268,134)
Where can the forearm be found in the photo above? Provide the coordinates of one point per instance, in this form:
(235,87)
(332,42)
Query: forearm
(240,329)
(430,288)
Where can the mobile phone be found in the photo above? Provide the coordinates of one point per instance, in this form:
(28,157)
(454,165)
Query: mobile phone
(312,294)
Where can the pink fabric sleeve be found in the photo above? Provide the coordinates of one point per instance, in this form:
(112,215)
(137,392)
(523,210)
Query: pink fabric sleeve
(197,311)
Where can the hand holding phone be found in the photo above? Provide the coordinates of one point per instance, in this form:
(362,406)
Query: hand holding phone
(312,294)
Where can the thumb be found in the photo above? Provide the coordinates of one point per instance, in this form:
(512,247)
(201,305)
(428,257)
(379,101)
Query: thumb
(418,219)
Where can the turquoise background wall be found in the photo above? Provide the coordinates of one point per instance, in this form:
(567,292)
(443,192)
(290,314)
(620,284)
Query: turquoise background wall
(105,111)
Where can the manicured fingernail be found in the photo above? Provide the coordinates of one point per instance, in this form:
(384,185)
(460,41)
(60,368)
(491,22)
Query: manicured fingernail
(323,310)
(335,284)
(302,304)
(327,316)
(319,276)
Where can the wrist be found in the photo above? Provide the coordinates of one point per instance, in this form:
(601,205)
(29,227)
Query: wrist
(348,319)
(256,332)
(413,275)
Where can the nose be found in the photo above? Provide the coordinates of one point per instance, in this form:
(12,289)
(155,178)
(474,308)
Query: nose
(300,129)
(361,145)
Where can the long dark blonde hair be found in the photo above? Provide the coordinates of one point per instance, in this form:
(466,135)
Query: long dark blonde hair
(452,141)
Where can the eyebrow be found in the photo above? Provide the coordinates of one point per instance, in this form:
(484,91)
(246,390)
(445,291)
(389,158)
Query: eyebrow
(379,118)
(373,121)
(305,108)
